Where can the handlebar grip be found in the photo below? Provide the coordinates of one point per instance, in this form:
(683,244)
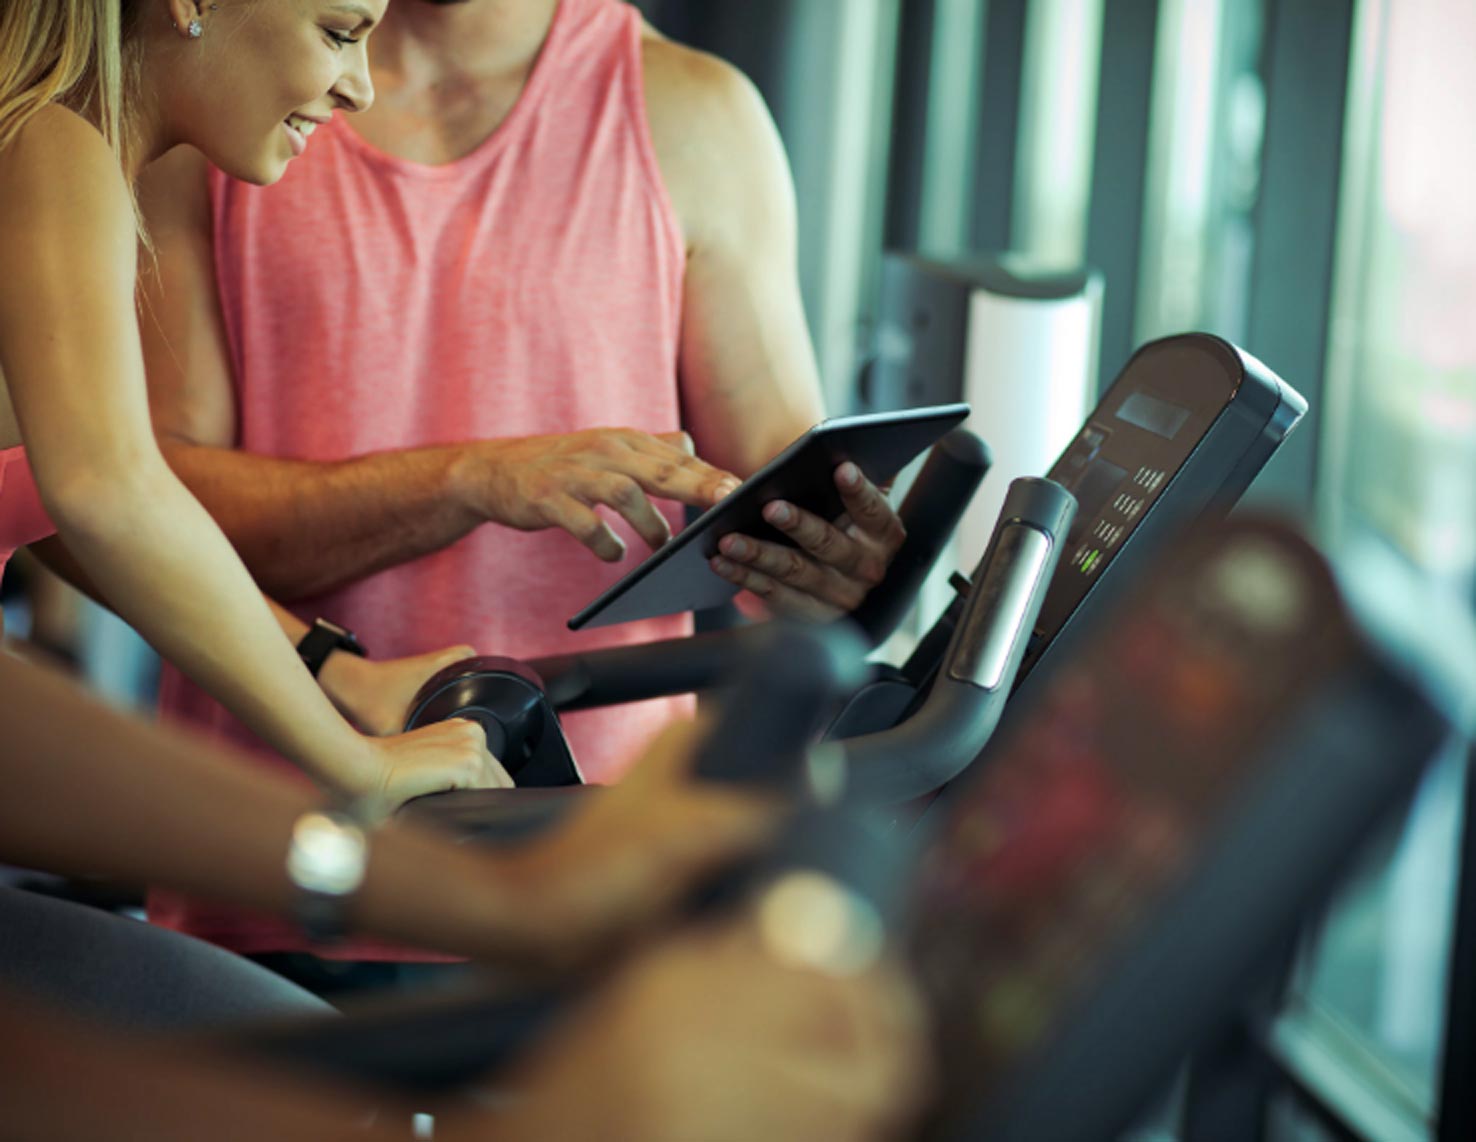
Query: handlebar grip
(934,504)
(970,690)
(1009,586)
(783,681)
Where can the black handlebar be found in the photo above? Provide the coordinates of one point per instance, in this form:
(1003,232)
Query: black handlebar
(934,504)
(769,717)
(619,674)
(782,693)
(968,695)
(784,685)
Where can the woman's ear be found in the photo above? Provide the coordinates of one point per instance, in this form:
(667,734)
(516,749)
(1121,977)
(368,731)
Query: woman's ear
(190,17)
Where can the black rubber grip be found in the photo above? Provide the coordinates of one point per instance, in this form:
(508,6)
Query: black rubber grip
(958,713)
(934,504)
(615,675)
(784,681)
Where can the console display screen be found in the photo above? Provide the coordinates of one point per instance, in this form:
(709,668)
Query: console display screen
(1092,487)
(1152,414)
(1103,797)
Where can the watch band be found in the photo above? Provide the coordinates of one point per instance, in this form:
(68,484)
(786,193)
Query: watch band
(321,640)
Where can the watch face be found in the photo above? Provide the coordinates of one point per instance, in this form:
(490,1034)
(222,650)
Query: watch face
(327,855)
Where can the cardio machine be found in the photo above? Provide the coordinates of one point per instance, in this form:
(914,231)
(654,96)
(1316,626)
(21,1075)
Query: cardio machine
(1093,897)
(1181,433)
(1115,874)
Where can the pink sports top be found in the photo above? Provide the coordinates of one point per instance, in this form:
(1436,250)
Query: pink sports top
(533,286)
(22,518)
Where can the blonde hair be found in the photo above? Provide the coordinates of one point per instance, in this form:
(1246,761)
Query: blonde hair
(72,52)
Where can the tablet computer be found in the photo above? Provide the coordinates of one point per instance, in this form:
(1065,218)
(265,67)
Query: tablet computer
(677,577)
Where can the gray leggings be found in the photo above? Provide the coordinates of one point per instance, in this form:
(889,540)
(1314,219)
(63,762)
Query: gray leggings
(132,975)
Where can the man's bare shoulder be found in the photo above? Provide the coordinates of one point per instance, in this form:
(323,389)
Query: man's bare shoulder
(692,95)
(681,78)
(715,143)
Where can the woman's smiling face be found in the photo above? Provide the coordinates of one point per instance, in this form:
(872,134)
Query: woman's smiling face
(266,74)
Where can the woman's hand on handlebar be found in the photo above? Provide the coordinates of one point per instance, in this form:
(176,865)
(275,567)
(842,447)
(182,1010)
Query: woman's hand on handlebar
(635,852)
(446,755)
(709,1036)
(375,694)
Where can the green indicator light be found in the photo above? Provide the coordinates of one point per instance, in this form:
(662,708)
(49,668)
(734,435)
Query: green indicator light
(1090,561)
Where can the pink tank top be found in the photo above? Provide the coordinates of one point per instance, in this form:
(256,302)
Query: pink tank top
(532,287)
(22,518)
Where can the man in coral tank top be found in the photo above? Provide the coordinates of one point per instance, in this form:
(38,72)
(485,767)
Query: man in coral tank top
(556,254)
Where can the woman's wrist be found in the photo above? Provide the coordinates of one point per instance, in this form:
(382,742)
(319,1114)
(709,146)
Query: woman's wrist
(349,764)
(345,679)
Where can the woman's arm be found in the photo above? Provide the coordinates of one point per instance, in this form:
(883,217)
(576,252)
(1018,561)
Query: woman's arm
(73,366)
(88,790)
(374,694)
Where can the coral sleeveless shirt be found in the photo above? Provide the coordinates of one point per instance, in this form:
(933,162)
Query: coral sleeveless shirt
(22,518)
(533,286)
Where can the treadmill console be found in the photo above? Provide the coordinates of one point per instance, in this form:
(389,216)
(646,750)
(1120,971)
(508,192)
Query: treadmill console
(1187,425)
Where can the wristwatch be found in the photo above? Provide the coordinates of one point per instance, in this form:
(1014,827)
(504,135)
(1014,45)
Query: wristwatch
(321,640)
(326,861)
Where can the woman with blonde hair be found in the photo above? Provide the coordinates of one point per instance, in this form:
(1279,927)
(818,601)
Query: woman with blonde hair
(91,91)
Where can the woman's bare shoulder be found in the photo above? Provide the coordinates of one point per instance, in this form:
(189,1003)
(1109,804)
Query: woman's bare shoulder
(59,172)
(61,155)
(56,133)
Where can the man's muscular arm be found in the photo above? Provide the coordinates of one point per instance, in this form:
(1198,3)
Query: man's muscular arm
(750,383)
(306,527)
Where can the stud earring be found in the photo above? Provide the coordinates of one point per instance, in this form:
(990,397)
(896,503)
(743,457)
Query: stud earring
(195,29)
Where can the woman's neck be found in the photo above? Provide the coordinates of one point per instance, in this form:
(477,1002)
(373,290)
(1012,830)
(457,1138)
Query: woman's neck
(144,137)
(144,131)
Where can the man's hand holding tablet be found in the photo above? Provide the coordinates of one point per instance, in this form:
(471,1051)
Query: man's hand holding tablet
(831,567)
(810,533)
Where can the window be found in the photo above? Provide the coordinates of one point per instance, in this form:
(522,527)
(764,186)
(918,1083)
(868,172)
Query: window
(1399,458)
